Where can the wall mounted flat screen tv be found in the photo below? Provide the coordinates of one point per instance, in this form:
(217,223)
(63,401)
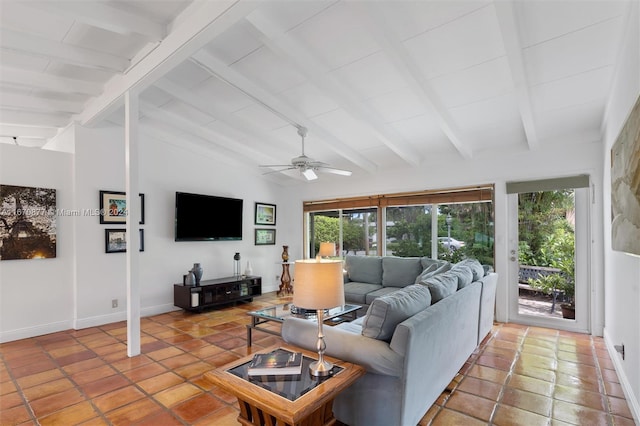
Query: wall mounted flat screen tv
(207,218)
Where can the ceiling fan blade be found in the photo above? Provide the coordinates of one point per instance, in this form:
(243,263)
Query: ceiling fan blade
(335,171)
(276,165)
(279,170)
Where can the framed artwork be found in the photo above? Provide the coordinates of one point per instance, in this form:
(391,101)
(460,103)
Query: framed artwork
(113,207)
(141,239)
(115,240)
(625,186)
(27,222)
(265,237)
(265,214)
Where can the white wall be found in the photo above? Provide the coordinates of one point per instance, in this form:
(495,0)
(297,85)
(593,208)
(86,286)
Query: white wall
(622,271)
(164,169)
(36,295)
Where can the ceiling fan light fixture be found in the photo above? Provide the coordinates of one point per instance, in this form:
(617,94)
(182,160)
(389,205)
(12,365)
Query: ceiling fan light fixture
(309,174)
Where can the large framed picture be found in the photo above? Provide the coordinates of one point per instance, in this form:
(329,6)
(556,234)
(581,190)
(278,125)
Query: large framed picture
(265,214)
(265,237)
(113,207)
(115,240)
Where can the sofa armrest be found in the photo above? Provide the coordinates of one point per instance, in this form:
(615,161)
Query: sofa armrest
(374,355)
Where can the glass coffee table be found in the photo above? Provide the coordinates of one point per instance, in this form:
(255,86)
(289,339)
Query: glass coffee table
(279,313)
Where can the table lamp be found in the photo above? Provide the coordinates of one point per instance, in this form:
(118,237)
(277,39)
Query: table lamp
(320,286)
(327,250)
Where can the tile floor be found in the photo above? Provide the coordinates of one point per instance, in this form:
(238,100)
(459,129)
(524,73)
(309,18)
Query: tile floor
(519,376)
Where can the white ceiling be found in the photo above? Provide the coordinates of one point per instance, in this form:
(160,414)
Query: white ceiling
(379,84)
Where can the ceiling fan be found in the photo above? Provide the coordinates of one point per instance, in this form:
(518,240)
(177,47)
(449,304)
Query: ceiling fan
(307,166)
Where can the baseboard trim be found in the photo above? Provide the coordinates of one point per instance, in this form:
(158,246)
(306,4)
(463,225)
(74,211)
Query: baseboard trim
(632,399)
(99,320)
(38,330)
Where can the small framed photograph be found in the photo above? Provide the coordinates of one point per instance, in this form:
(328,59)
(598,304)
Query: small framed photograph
(113,207)
(141,239)
(265,237)
(115,240)
(265,214)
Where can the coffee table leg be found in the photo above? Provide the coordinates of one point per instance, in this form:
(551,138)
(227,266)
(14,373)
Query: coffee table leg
(249,335)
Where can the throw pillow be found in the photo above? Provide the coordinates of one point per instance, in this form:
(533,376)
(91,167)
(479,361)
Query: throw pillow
(441,286)
(433,269)
(400,271)
(364,269)
(476,268)
(464,274)
(387,311)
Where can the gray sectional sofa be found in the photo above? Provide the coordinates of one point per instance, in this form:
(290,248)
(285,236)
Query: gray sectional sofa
(423,319)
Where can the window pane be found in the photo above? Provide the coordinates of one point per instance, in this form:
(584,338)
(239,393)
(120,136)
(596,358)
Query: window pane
(325,226)
(360,232)
(466,230)
(408,231)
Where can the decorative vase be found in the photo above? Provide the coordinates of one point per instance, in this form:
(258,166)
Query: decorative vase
(190,279)
(285,253)
(236,264)
(248,270)
(197,272)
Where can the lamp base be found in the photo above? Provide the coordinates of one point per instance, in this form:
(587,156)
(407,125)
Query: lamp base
(320,368)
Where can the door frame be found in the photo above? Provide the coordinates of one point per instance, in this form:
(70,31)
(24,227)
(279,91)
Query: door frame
(583,260)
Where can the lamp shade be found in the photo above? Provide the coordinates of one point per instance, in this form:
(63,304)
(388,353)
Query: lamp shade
(319,284)
(327,250)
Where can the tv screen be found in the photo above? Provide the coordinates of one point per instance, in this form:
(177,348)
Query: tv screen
(207,218)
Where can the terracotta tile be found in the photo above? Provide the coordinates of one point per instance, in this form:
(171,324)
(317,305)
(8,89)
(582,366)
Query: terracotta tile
(153,346)
(536,373)
(610,376)
(130,363)
(619,407)
(66,350)
(49,404)
(177,394)
(586,383)
(163,419)
(26,360)
(110,349)
(530,384)
(31,369)
(145,371)
(14,416)
(623,421)
(10,400)
(164,353)
(536,343)
(577,358)
(135,412)
(527,360)
(429,416)
(46,389)
(86,365)
(207,351)
(452,418)
(487,373)
(232,343)
(481,388)
(158,383)
(179,361)
(527,401)
(471,405)
(74,414)
(495,362)
(539,350)
(614,389)
(92,375)
(196,408)
(577,414)
(580,396)
(76,357)
(577,370)
(104,385)
(117,398)
(508,416)
(39,378)
(195,369)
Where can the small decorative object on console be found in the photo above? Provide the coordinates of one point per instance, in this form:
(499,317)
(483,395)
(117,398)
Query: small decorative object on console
(236,264)
(197,272)
(277,362)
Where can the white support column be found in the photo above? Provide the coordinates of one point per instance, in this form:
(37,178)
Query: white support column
(133,219)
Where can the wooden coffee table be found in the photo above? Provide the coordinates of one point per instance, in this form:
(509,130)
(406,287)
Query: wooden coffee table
(301,400)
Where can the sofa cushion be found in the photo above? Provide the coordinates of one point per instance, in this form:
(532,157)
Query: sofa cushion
(380,292)
(427,262)
(441,285)
(356,292)
(400,271)
(387,311)
(464,274)
(364,269)
(434,269)
(476,268)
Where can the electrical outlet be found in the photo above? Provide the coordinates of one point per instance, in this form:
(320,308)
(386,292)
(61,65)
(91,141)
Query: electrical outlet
(114,303)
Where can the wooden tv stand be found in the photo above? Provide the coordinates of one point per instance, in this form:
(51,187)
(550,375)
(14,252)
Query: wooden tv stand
(216,292)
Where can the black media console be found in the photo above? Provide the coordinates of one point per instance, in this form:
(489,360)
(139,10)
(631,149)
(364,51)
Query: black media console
(216,292)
